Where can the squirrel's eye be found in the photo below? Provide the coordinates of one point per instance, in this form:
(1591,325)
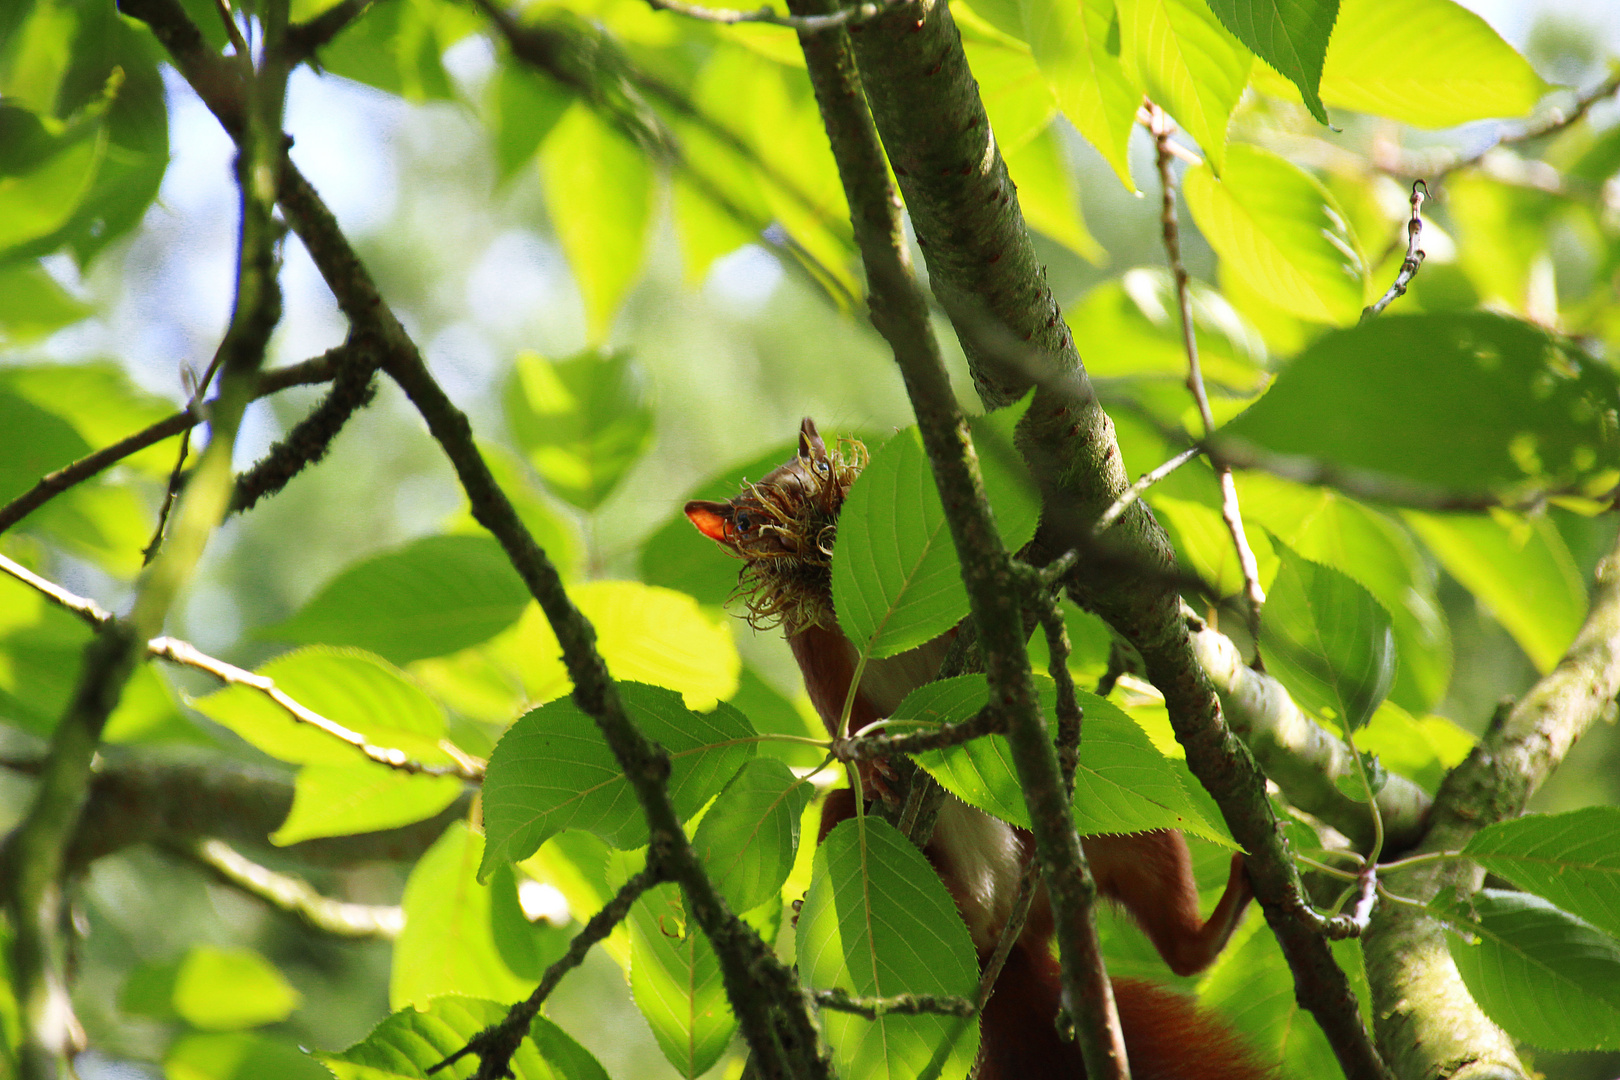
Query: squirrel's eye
(744,522)
(823,468)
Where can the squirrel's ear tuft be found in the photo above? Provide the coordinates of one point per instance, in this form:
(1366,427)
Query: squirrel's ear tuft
(810,444)
(711,519)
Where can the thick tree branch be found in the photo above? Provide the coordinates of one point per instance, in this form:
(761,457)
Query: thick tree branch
(1427,1022)
(983,269)
(900,312)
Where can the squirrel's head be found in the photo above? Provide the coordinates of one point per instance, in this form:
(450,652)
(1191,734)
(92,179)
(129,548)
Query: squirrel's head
(783,526)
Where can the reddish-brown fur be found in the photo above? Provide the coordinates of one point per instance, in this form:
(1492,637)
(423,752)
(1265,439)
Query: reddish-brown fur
(1166,1036)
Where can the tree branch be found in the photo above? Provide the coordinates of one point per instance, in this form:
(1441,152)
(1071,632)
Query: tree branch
(808,24)
(315,370)
(297,897)
(983,269)
(1426,1019)
(900,312)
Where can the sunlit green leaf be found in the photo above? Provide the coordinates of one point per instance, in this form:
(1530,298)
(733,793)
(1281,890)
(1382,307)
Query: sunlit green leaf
(675,977)
(1047,195)
(1292,37)
(1188,63)
(33,305)
(1430,63)
(1372,548)
(412,1041)
(553,771)
(238,1056)
(224,989)
(582,423)
(896,581)
(1460,402)
(1571,859)
(393,47)
(526,947)
(1327,640)
(1123,785)
(645,634)
(39,201)
(748,838)
(1129,328)
(1206,544)
(334,800)
(1280,229)
(447,945)
(525,106)
(101,402)
(1547,977)
(434,596)
(1520,569)
(1017,99)
(878,922)
(599,188)
(1069,40)
(1421,749)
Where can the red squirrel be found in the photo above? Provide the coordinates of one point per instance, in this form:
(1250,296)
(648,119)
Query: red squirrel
(782,527)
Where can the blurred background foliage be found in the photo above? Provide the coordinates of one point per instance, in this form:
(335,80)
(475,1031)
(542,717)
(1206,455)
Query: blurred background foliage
(630,325)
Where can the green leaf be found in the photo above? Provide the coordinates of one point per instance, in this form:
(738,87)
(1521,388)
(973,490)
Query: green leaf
(1292,37)
(1468,403)
(583,423)
(1548,978)
(1046,193)
(748,838)
(525,106)
(433,596)
(878,922)
(1422,749)
(1373,549)
(1520,569)
(599,189)
(101,402)
(33,305)
(1129,328)
(335,800)
(1282,232)
(896,580)
(1327,640)
(225,989)
(1204,541)
(37,202)
(1429,63)
(645,634)
(1123,784)
(1188,63)
(553,771)
(37,442)
(1571,859)
(410,1042)
(772,713)
(679,557)
(1020,106)
(1069,40)
(527,948)
(447,945)
(675,977)
(395,48)
(360,692)
(238,1056)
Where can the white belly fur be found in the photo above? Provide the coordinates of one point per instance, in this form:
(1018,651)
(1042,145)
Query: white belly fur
(981,854)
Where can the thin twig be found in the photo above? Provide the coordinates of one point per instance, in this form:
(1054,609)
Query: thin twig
(297,897)
(1414,254)
(234,32)
(496,1045)
(303,39)
(1442,165)
(898,1005)
(1162,129)
(807,24)
(1145,481)
(85,608)
(180,652)
(315,370)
